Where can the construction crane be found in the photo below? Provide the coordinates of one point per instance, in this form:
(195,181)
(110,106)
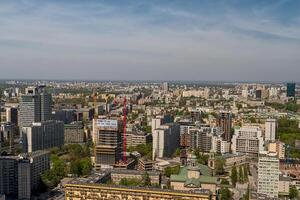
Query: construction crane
(124,130)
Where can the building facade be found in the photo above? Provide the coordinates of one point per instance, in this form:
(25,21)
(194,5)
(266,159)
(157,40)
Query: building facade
(224,121)
(247,139)
(42,135)
(108,141)
(166,139)
(270,129)
(105,192)
(268,175)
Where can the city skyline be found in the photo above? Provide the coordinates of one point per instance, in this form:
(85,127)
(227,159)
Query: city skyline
(150,40)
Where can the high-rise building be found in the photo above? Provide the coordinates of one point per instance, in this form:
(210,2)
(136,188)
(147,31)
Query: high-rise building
(268,175)
(165,86)
(35,106)
(166,139)
(42,135)
(290,89)
(108,141)
(12,115)
(270,129)
(224,121)
(20,175)
(247,139)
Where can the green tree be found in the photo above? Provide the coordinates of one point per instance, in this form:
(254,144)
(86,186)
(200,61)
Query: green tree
(146,179)
(219,162)
(225,193)
(86,166)
(172,170)
(241,175)
(233,176)
(293,193)
(245,169)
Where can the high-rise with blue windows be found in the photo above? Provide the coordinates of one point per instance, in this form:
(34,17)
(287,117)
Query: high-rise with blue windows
(290,89)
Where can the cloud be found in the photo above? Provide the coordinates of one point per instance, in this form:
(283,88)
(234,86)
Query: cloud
(200,40)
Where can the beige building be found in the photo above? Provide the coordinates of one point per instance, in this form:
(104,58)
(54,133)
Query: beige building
(108,192)
(268,175)
(118,175)
(278,148)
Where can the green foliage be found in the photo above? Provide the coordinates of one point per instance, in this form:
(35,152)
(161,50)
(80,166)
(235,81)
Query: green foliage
(246,171)
(172,170)
(219,165)
(241,175)
(130,182)
(288,132)
(293,193)
(234,176)
(290,106)
(224,182)
(146,181)
(177,152)
(52,177)
(252,119)
(202,158)
(225,193)
(81,167)
(143,149)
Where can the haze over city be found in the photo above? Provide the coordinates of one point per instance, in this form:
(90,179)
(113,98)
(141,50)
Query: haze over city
(203,40)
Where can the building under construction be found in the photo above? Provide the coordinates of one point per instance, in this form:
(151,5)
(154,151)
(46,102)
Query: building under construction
(107,137)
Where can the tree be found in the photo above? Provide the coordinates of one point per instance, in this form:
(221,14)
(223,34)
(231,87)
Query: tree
(146,179)
(225,193)
(86,166)
(293,193)
(219,165)
(241,174)
(233,176)
(172,170)
(177,152)
(245,168)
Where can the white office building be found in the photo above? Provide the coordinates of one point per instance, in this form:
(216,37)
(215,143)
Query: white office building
(247,139)
(268,175)
(165,140)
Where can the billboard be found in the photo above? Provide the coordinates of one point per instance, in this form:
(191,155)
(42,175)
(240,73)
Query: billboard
(107,123)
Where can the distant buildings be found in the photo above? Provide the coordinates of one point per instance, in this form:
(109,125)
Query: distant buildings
(247,139)
(108,141)
(224,121)
(42,135)
(290,89)
(270,129)
(268,175)
(165,86)
(165,140)
(135,138)
(20,175)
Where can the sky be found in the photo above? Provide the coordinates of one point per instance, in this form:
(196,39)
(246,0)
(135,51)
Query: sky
(195,40)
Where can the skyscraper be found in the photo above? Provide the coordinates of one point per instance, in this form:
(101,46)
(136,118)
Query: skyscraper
(290,89)
(35,106)
(224,121)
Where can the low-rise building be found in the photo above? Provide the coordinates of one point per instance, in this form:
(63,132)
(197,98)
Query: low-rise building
(108,192)
(118,175)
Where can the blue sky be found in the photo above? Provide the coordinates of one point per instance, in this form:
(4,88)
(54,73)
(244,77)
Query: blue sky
(211,40)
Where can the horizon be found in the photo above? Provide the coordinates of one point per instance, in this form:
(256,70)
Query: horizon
(207,40)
